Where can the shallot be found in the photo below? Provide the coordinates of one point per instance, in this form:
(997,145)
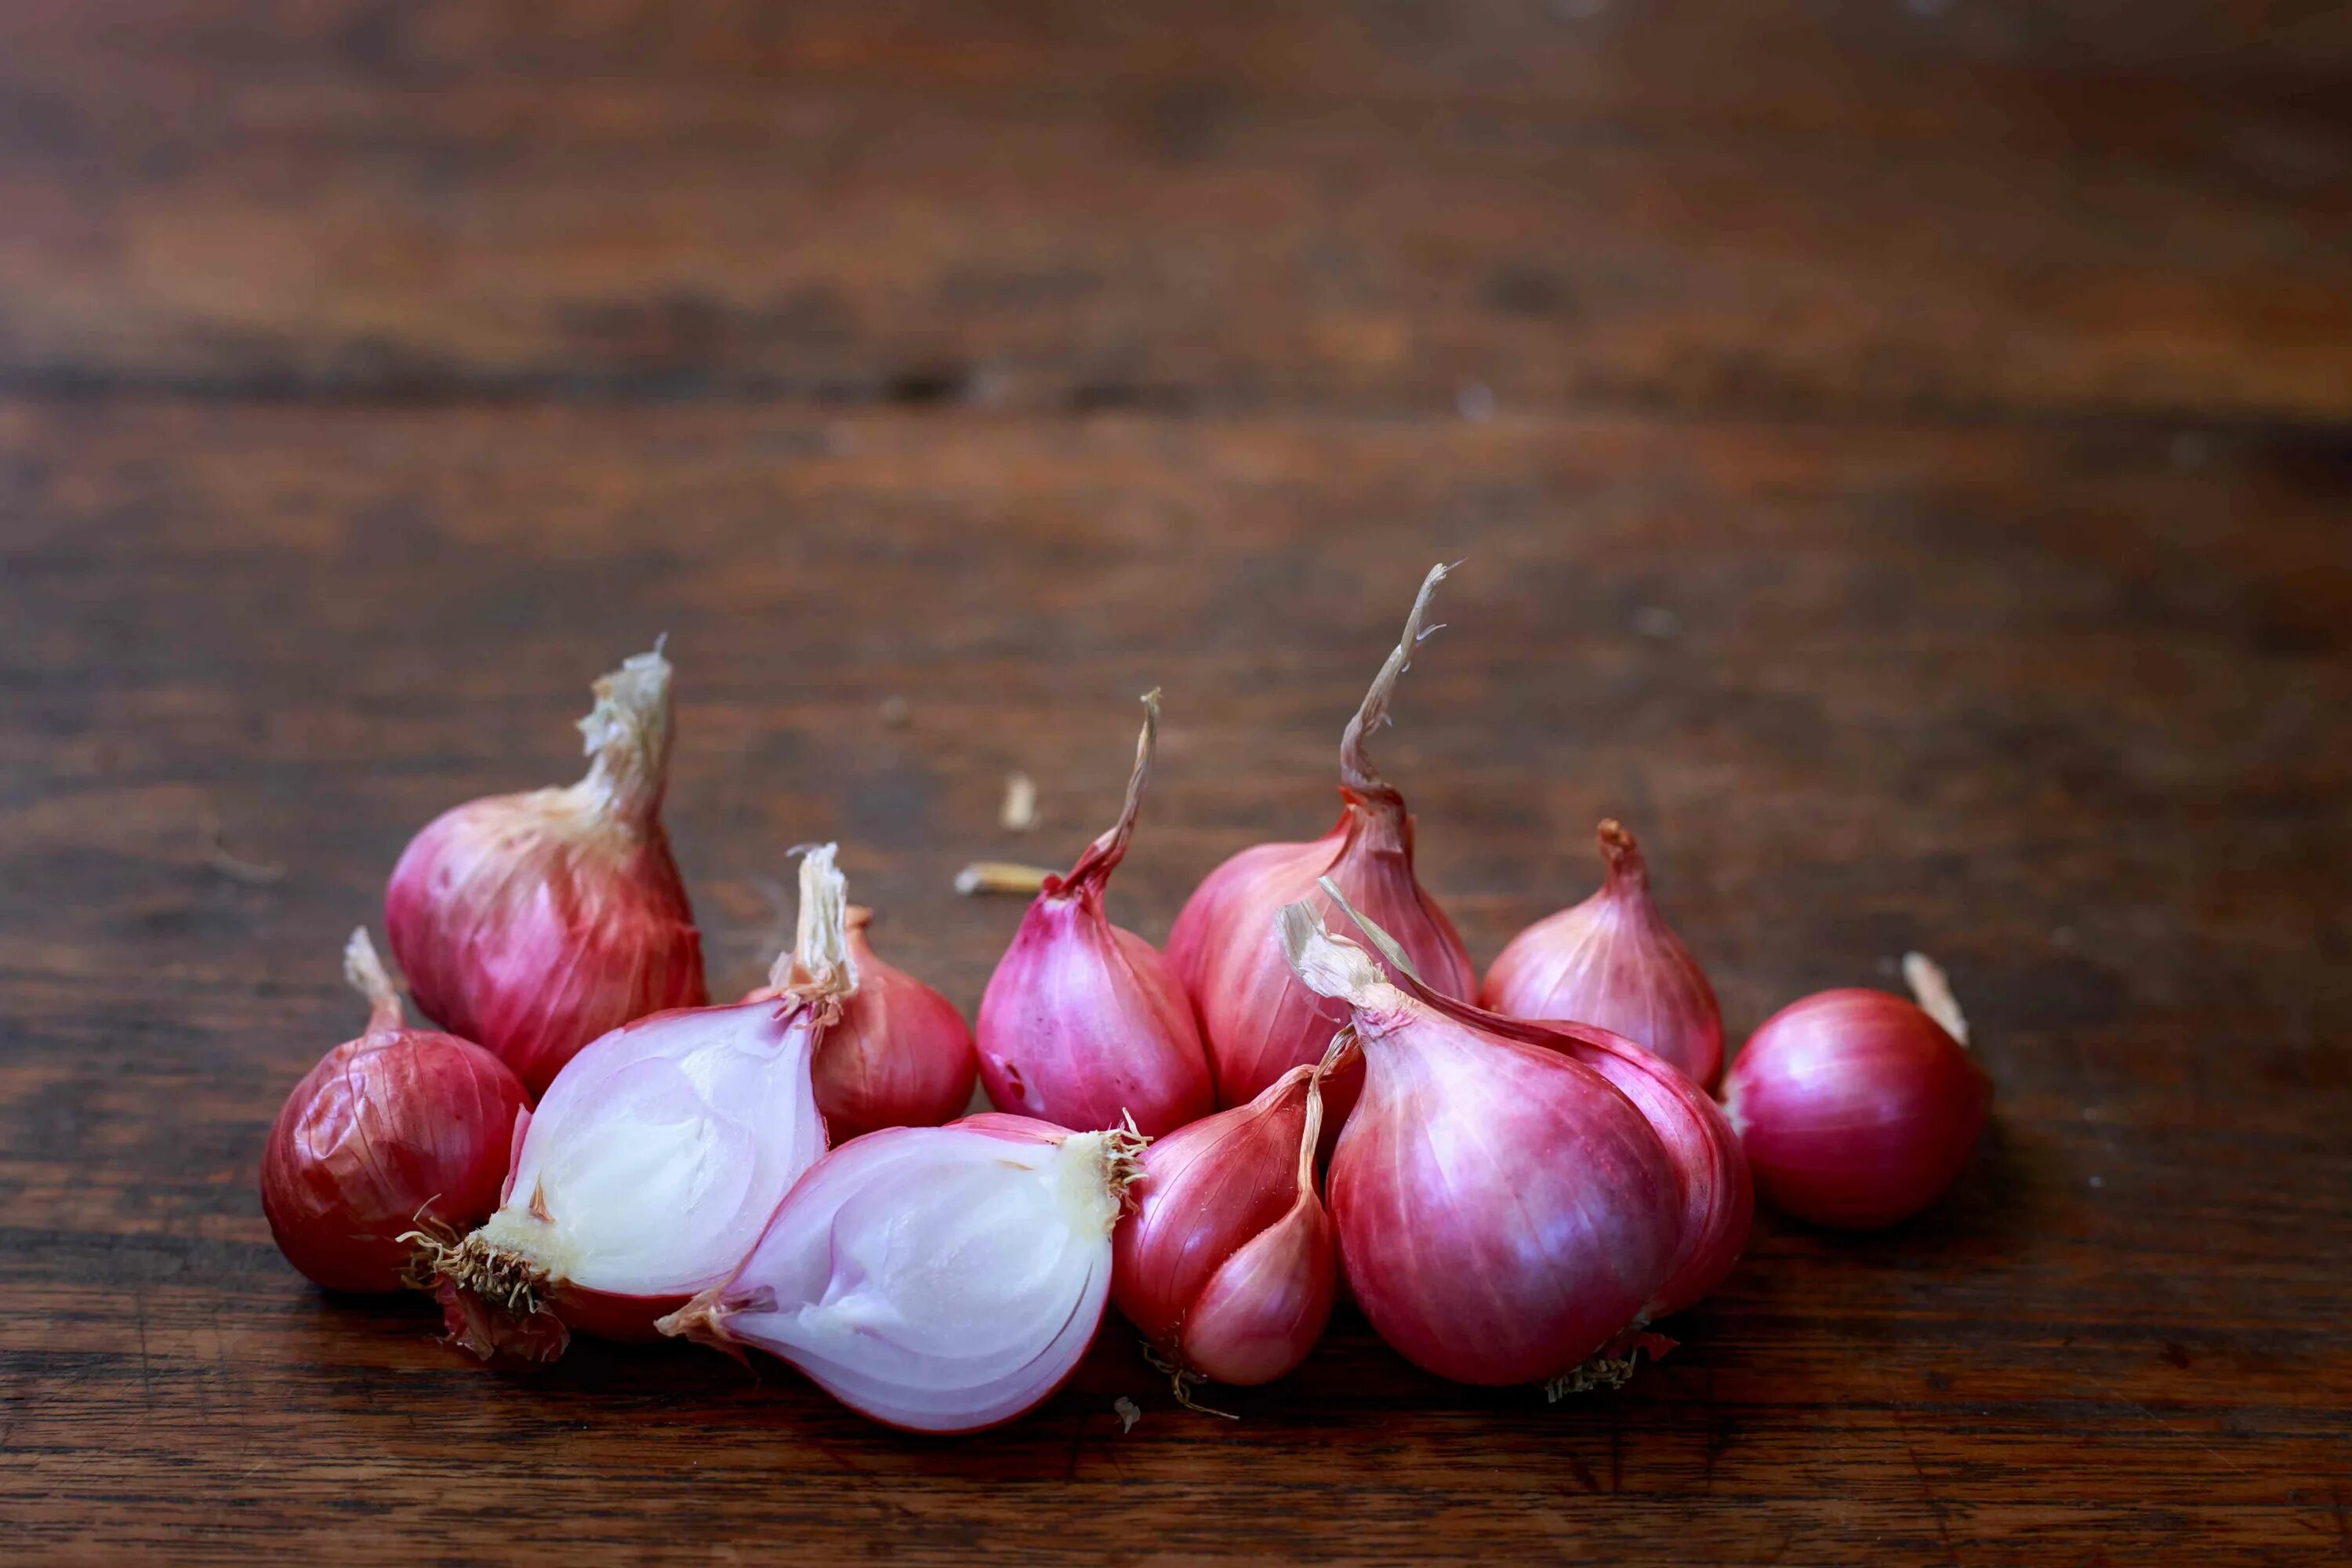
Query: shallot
(1503,1212)
(1614,962)
(1256,1020)
(1084,1023)
(936,1278)
(1228,1264)
(653,1162)
(535,922)
(1718,1194)
(1856,1107)
(900,1055)
(397,1131)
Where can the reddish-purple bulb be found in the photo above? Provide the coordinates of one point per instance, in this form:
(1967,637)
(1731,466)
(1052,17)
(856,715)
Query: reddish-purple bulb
(1084,1024)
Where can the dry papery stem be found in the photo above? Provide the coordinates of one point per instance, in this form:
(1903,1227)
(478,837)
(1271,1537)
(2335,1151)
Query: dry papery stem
(1933,989)
(365,972)
(1102,856)
(819,967)
(627,734)
(1356,770)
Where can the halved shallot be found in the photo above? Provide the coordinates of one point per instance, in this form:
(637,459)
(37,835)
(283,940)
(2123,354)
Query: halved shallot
(1084,1023)
(652,1162)
(1256,1020)
(1504,1211)
(936,1278)
(535,922)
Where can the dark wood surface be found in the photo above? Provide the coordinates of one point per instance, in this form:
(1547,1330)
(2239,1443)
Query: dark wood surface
(1901,458)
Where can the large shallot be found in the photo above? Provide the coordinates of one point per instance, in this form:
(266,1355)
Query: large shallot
(535,922)
(1257,1021)
(1503,1212)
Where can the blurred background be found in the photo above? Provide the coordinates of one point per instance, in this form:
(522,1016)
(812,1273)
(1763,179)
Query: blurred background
(1901,457)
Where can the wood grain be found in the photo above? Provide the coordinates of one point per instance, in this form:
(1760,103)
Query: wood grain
(1052,206)
(1899,602)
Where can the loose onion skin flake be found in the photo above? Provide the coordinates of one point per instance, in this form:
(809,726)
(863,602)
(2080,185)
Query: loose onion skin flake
(1084,1023)
(653,1162)
(1612,962)
(1229,1264)
(1857,1110)
(1505,1213)
(398,1131)
(935,1278)
(536,923)
(1256,1020)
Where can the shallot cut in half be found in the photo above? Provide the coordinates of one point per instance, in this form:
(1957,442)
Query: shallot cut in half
(1256,1020)
(535,922)
(1718,1194)
(935,1278)
(1228,1264)
(399,1130)
(900,1055)
(1503,1212)
(653,1162)
(1612,962)
(1084,1023)
(1856,1107)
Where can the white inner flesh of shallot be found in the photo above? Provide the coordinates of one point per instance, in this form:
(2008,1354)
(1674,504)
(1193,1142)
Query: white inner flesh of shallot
(938,1278)
(660,1152)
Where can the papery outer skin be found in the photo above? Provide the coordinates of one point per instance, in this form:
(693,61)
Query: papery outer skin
(1256,1020)
(535,923)
(398,1130)
(1083,1024)
(1718,1194)
(1503,1211)
(1612,962)
(796,1261)
(750,1059)
(1855,1107)
(900,1055)
(1227,1263)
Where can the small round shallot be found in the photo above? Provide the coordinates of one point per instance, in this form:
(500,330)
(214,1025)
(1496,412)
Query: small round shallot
(398,1131)
(1856,1107)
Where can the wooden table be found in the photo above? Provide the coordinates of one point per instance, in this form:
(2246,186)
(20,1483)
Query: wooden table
(1901,458)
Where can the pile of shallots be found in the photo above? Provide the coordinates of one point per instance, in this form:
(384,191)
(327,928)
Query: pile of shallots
(1517,1179)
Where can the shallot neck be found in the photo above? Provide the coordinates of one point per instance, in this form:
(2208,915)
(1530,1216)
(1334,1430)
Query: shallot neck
(628,739)
(1102,856)
(1356,770)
